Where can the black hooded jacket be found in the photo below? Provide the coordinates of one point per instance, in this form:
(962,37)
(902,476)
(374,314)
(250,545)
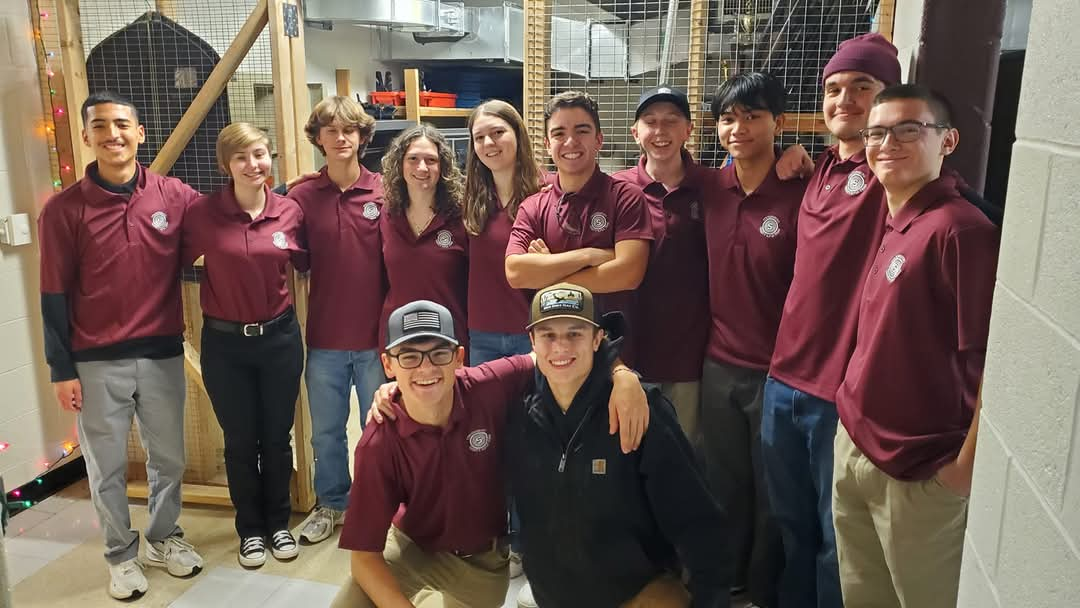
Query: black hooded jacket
(598,525)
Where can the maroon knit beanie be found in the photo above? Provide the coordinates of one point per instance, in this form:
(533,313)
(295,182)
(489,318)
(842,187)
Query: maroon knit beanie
(871,54)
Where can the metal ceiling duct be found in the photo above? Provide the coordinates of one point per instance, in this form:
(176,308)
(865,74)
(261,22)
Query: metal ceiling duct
(406,15)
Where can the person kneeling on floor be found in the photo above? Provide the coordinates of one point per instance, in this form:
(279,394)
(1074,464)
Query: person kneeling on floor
(427,509)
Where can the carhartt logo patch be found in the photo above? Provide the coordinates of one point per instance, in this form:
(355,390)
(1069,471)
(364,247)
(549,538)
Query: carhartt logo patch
(444,239)
(279,240)
(856,183)
(159,221)
(770,226)
(479,440)
(371,211)
(695,210)
(598,222)
(895,266)
(599,466)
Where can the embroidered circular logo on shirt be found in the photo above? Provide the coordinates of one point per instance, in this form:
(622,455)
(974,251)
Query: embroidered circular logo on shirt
(895,266)
(598,222)
(856,183)
(279,240)
(371,211)
(479,440)
(770,226)
(159,221)
(444,239)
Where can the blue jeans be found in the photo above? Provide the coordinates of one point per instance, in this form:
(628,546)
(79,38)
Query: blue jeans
(329,376)
(797,433)
(487,346)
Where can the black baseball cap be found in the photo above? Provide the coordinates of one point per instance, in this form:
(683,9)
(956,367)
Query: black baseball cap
(418,320)
(663,93)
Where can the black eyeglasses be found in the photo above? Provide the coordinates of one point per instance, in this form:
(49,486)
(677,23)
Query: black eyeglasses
(904,132)
(411,359)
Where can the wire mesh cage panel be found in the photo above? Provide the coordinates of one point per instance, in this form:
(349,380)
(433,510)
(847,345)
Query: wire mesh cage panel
(615,49)
(159,55)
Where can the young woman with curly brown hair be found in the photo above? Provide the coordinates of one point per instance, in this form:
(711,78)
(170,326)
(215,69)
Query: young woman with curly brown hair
(425,247)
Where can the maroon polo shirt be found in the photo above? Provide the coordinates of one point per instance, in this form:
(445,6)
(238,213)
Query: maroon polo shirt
(841,221)
(751,241)
(601,214)
(116,258)
(494,306)
(432,266)
(245,261)
(347,282)
(448,482)
(670,340)
(908,397)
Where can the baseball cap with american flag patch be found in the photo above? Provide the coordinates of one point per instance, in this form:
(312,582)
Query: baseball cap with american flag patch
(418,320)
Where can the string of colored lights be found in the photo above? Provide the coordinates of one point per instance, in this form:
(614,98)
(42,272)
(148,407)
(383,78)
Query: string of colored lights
(15,497)
(57,110)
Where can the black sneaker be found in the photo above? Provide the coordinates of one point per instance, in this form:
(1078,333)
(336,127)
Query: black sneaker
(252,551)
(284,545)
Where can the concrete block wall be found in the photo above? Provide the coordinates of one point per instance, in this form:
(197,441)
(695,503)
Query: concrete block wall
(1024,521)
(30,421)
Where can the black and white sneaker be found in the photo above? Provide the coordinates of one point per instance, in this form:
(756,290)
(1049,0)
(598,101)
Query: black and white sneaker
(283,545)
(252,551)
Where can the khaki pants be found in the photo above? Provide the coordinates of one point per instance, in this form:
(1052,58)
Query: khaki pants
(664,592)
(686,397)
(899,543)
(477,581)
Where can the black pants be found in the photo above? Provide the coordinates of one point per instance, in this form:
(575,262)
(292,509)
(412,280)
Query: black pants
(253,383)
(731,400)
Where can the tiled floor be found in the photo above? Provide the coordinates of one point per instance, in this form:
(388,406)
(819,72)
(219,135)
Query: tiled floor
(53,554)
(54,560)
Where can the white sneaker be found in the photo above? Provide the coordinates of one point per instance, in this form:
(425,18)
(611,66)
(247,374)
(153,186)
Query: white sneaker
(126,580)
(516,569)
(525,597)
(320,524)
(175,555)
(252,552)
(283,545)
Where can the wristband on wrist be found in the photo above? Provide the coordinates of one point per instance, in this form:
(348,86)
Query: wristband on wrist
(623,368)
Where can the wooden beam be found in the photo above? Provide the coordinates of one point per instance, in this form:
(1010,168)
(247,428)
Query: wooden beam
(284,114)
(412,94)
(537,54)
(695,86)
(193,493)
(301,97)
(291,109)
(211,90)
(75,86)
(811,122)
(342,78)
(886,18)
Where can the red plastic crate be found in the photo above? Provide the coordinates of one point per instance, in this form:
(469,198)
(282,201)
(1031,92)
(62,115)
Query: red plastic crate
(438,100)
(390,98)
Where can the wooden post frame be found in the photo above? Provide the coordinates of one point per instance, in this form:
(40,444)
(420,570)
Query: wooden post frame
(537,71)
(695,86)
(75,86)
(292,107)
(341,79)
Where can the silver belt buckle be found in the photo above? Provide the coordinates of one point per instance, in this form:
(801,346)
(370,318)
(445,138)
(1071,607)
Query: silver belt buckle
(252,330)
